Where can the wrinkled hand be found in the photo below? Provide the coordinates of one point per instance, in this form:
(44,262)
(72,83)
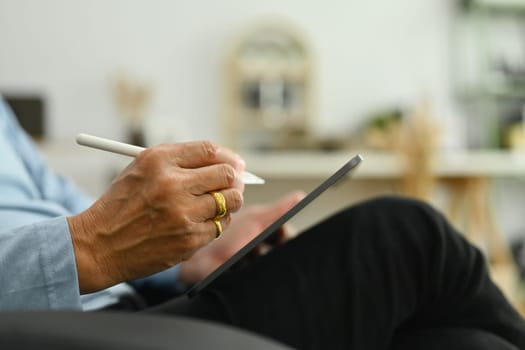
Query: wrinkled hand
(245,225)
(156,213)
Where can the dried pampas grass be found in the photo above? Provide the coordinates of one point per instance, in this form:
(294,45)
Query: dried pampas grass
(417,143)
(132,99)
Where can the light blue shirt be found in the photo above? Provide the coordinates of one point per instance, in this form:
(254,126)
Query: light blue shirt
(37,262)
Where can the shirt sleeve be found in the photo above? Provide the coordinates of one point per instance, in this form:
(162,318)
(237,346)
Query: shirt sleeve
(41,273)
(30,223)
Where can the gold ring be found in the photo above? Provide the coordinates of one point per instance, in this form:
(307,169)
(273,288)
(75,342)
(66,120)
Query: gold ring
(218,225)
(220,201)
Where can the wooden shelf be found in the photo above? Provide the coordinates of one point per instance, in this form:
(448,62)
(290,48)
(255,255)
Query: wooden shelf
(92,169)
(383,165)
(500,5)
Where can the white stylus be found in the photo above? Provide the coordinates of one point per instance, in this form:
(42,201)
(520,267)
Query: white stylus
(132,151)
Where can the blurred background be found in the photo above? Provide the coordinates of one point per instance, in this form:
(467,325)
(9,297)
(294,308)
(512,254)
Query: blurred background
(430,92)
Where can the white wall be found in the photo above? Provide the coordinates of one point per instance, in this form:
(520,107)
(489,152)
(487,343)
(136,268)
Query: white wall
(369,53)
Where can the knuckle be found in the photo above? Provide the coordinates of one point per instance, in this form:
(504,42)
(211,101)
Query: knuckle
(196,241)
(151,157)
(175,219)
(147,154)
(177,216)
(163,188)
(236,200)
(192,241)
(228,174)
(209,149)
(226,220)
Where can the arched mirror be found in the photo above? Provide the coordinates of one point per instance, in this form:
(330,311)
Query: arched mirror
(269,88)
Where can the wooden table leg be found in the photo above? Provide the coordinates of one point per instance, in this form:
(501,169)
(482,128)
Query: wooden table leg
(470,210)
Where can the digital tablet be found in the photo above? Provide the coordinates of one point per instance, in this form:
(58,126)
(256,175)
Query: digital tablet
(345,169)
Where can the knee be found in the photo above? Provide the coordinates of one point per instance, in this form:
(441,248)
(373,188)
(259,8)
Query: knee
(398,209)
(397,205)
(396,220)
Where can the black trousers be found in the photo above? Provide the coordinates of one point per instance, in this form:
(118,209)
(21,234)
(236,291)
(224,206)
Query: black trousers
(389,273)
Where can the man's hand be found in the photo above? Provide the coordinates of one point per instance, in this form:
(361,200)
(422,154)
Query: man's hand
(156,213)
(245,225)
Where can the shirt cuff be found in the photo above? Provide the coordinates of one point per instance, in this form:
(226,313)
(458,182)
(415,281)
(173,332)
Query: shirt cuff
(38,267)
(60,268)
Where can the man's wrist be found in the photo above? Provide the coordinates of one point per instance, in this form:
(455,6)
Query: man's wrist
(90,274)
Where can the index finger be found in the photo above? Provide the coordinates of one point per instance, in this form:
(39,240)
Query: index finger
(197,154)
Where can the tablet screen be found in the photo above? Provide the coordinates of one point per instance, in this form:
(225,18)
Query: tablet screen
(345,169)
